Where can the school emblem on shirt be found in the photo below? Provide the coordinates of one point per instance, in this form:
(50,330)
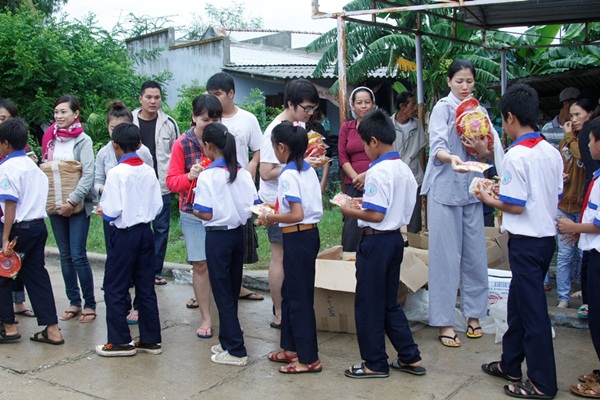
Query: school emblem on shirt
(5,184)
(285,185)
(370,189)
(506,178)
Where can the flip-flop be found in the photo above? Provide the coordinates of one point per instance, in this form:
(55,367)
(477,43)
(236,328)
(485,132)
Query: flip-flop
(207,333)
(132,318)
(26,313)
(4,338)
(472,334)
(69,314)
(192,303)
(42,337)
(455,338)
(84,317)
(407,368)
(582,312)
(159,281)
(359,371)
(274,325)
(251,296)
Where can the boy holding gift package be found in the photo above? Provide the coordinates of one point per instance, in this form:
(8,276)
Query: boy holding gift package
(531,185)
(130,201)
(389,186)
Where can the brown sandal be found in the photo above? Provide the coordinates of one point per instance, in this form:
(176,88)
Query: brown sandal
(588,389)
(283,356)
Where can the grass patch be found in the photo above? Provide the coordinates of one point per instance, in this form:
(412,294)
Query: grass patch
(330,229)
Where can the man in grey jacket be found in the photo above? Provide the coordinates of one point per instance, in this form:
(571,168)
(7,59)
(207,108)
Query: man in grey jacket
(159,132)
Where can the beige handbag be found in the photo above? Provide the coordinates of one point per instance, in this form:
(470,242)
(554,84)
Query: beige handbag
(63,177)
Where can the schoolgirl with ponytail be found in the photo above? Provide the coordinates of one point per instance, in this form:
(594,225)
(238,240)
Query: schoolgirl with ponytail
(227,191)
(299,208)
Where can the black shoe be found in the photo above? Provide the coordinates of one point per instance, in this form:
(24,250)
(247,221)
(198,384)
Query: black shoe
(150,348)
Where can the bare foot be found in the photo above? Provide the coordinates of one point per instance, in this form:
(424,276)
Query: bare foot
(448,337)
(72,312)
(10,329)
(88,315)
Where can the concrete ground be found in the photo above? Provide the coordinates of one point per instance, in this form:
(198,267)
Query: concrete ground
(30,370)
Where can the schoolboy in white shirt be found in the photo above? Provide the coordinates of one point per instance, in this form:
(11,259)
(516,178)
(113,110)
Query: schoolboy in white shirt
(23,193)
(529,191)
(388,201)
(130,201)
(588,234)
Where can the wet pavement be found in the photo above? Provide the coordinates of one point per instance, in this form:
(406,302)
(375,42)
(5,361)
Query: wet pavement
(31,370)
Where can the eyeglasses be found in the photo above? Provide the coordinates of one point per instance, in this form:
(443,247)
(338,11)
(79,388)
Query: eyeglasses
(308,108)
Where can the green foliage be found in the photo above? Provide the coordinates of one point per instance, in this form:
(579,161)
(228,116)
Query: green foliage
(232,17)
(256,105)
(43,59)
(46,7)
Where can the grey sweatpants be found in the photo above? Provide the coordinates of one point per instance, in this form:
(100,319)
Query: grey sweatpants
(457,254)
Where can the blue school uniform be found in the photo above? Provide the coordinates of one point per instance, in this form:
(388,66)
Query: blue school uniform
(532,179)
(301,244)
(390,189)
(130,201)
(23,182)
(229,205)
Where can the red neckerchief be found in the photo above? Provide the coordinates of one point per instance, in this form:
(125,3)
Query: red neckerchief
(530,143)
(135,161)
(586,199)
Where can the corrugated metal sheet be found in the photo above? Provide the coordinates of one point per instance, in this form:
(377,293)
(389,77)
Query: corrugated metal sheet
(533,12)
(250,54)
(290,71)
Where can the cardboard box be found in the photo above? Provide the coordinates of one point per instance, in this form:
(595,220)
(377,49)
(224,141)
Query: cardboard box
(418,240)
(335,283)
(499,283)
(497,249)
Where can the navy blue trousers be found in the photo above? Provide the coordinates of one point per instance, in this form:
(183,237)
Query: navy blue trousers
(33,273)
(131,258)
(529,334)
(593,282)
(298,323)
(376,308)
(225,260)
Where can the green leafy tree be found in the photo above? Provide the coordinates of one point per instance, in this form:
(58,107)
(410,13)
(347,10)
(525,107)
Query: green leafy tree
(232,17)
(44,58)
(46,7)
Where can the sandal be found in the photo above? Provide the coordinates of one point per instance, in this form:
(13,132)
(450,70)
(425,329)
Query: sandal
(582,312)
(592,376)
(192,303)
(251,296)
(471,332)
(159,281)
(70,314)
(587,389)
(26,313)
(87,317)
(204,333)
(359,371)
(493,369)
(292,369)
(398,366)
(4,338)
(132,318)
(525,390)
(42,337)
(283,356)
(447,344)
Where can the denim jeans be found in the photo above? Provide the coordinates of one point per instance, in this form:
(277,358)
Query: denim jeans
(160,227)
(568,257)
(71,236)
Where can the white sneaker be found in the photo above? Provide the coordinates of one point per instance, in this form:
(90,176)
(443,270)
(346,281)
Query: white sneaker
(216,349)
(227,359)
(563,304)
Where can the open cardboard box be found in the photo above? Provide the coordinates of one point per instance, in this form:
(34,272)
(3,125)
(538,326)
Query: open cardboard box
(496,246)
(335,283)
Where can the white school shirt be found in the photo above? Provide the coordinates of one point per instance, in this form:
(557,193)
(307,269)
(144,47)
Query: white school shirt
(300,187)
(532,179)
(24,183)
(591,215)
(268,189)
(131,194)
(106,159)
(244,126)
(389,186)
(228,203)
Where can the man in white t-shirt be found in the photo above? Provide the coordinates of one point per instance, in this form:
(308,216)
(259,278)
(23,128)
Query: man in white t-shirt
(248,136)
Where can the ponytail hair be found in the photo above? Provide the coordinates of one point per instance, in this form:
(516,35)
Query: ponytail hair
(116,109)
(295,138)
(217,134)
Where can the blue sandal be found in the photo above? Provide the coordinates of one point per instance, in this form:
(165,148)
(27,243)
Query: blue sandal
(582,312)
